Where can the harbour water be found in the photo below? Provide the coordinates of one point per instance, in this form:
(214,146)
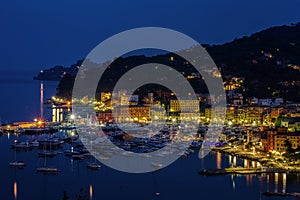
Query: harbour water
(177,181)
(20,96)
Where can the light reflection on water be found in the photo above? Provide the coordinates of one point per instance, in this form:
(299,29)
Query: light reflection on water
(20,97)
(219,160)
(277,181)
(91,192)
(15,190)
(284,180)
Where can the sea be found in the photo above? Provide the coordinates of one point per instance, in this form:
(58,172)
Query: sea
(20,101)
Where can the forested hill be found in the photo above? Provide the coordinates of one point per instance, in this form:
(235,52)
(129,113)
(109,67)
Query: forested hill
(267,61)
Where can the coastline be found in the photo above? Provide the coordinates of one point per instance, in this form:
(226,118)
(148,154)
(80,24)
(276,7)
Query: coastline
(267,163)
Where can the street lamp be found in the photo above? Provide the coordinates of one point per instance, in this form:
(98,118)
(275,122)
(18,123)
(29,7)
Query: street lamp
(72,117)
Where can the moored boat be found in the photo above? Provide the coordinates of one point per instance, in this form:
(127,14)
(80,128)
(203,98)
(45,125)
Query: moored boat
(93,166)
(55,143)
(78,157)
(47,169)
(17,164)
(21,145)
(47,154)
(34,143)
(70,152)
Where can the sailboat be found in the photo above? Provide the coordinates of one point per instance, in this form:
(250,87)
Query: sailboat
(46,153)
(16,163)
(45,169)
(94,164)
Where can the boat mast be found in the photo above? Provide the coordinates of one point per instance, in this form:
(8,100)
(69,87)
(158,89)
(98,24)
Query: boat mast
(15,141)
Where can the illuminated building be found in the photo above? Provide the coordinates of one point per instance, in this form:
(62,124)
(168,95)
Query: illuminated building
(268,139)
(157,113)
(280,140)
(233,84)
(275,139)
(291,123)
(105,96)
(275,112)
(105,117)
(135,113)
(124,97)
(214,115)
(57,113)
(230,113)
(188,110)
(184,106)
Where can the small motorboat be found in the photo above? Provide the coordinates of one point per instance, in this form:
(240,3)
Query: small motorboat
(93,166)
(78,157)
(17,164)
(47,169)
(21,145)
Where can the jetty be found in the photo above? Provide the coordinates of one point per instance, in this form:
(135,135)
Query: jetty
(244,171)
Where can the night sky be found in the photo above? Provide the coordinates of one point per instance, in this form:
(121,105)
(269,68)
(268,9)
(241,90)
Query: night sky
(38,34)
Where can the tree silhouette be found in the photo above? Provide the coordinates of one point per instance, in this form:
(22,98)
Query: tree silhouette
(288,146)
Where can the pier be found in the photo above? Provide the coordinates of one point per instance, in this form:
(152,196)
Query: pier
(244,171)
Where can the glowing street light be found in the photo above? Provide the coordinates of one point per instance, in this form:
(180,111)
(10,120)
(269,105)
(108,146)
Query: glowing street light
(72,117)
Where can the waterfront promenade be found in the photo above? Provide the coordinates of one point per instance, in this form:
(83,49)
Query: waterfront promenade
(267,162)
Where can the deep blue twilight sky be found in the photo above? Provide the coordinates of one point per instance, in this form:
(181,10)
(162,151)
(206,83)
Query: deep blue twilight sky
(38,34)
